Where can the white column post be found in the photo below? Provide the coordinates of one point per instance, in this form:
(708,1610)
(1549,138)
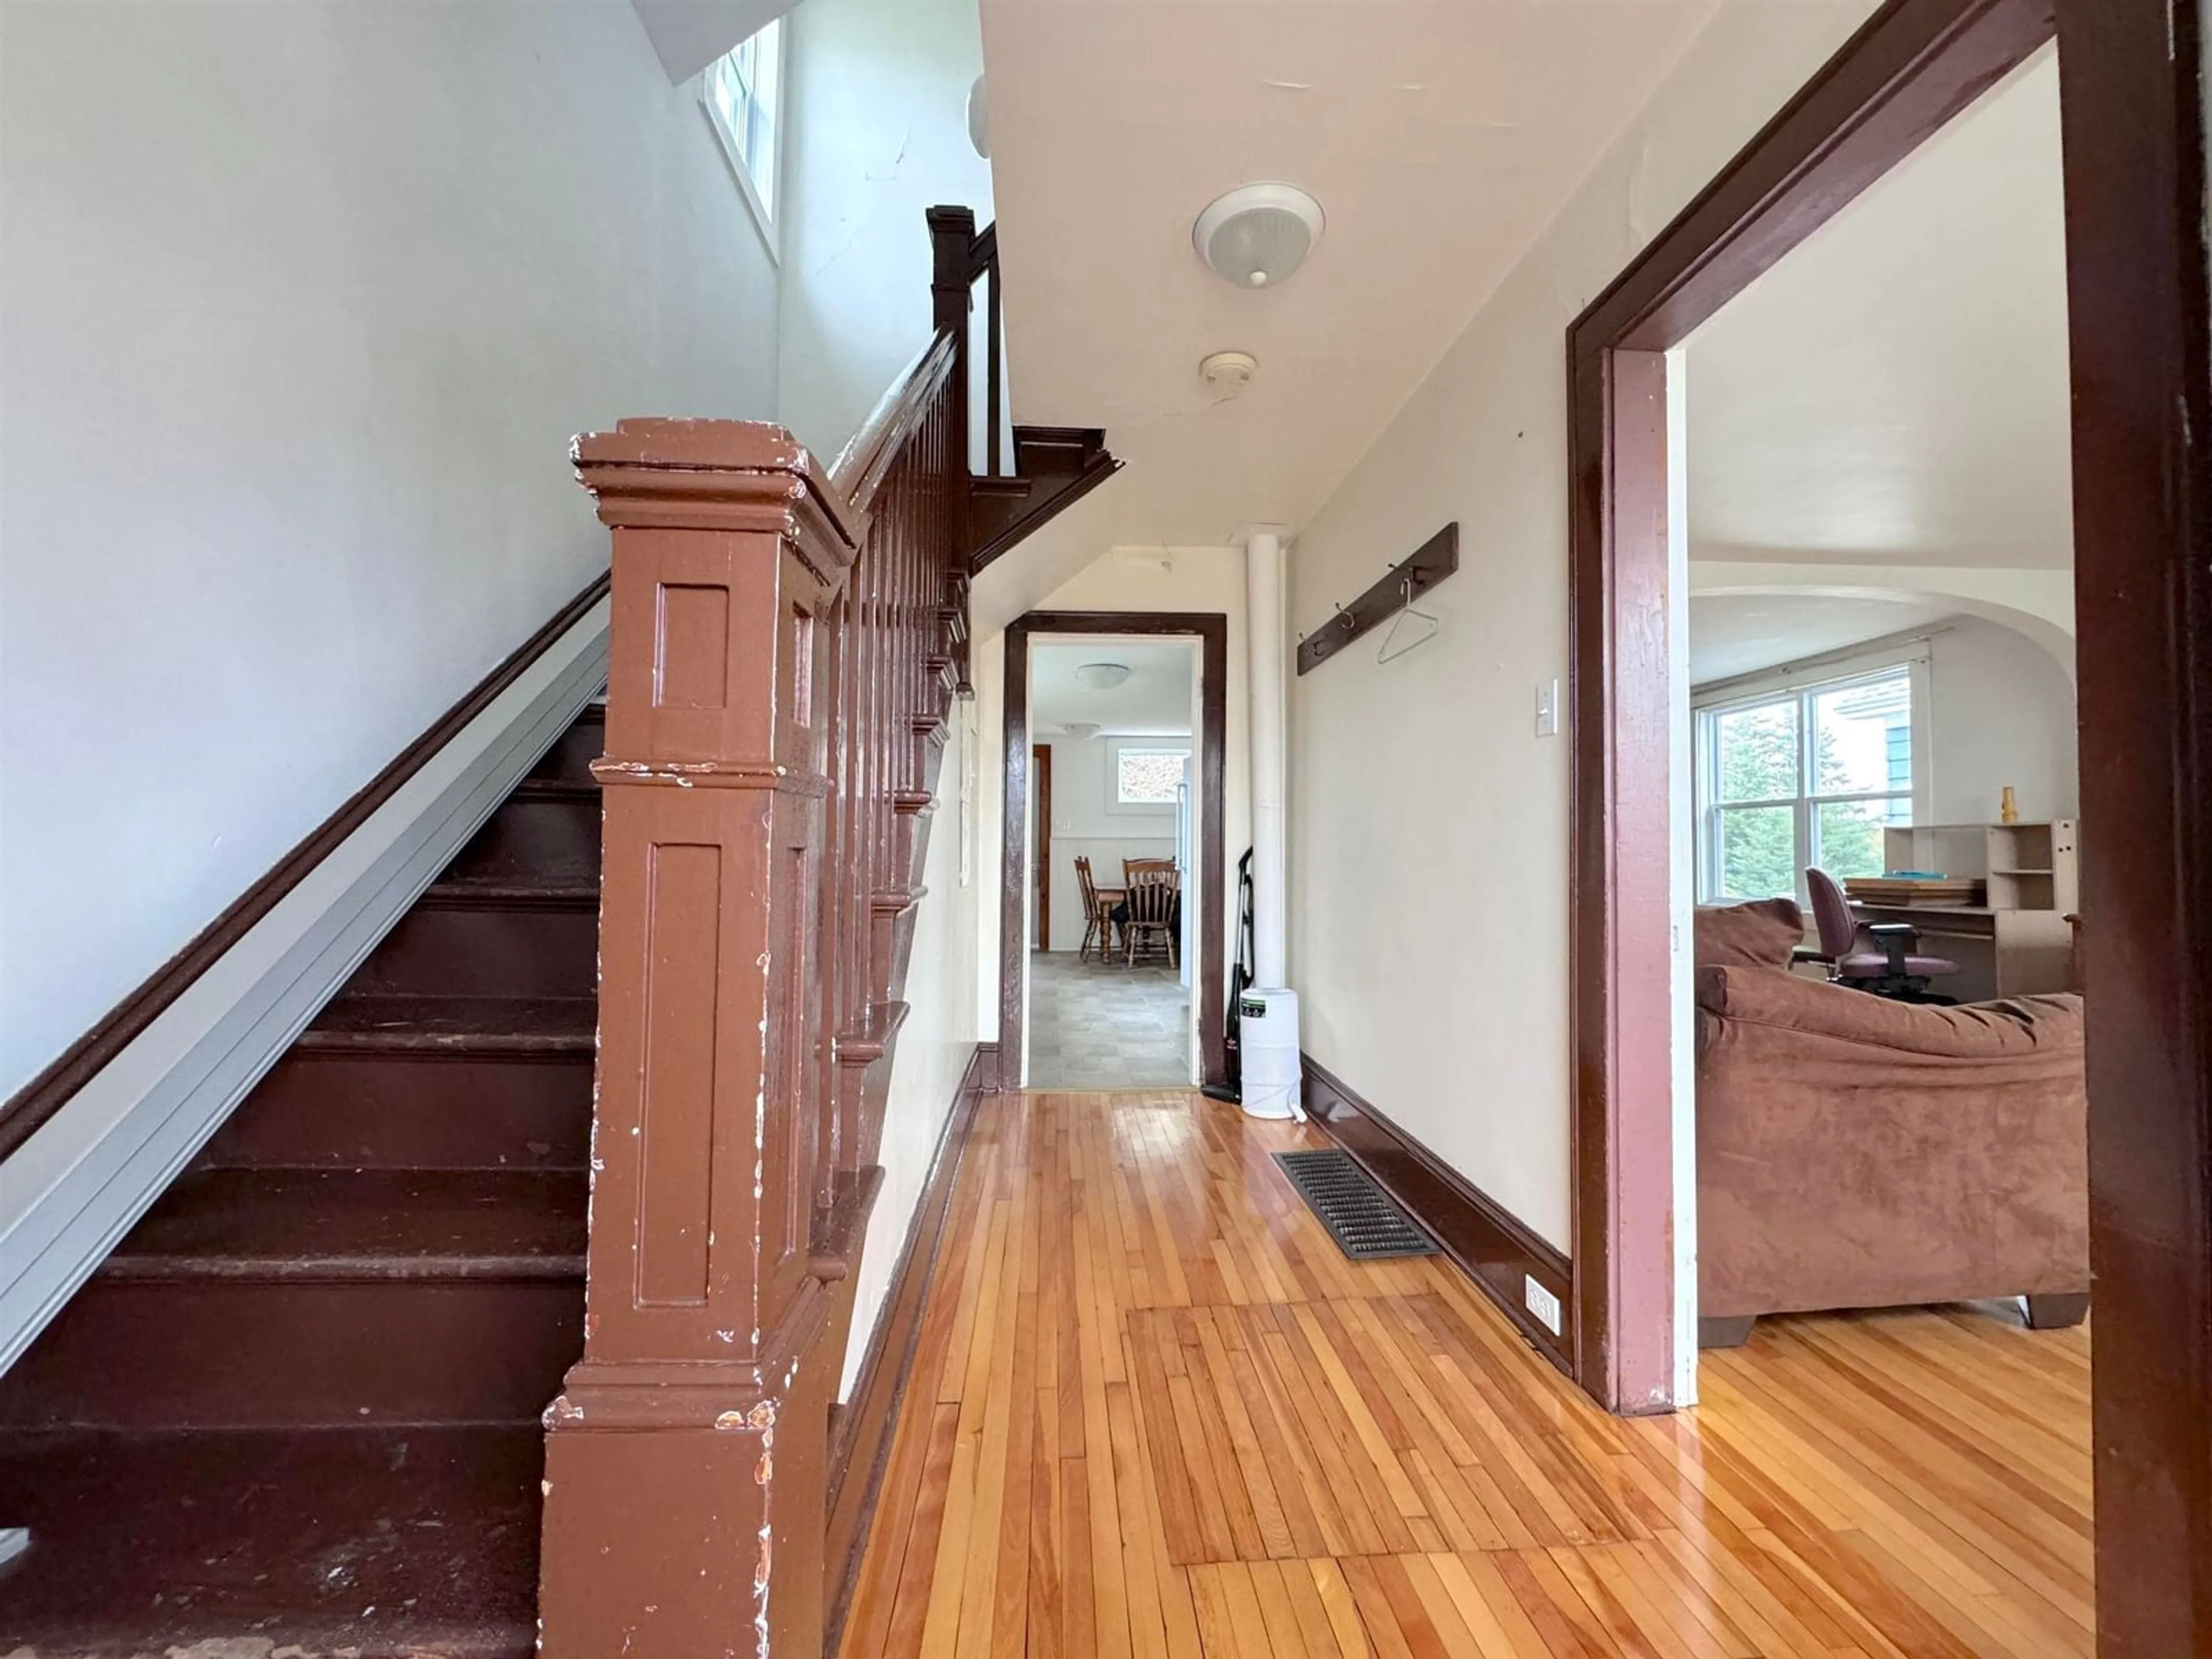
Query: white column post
(1263,575)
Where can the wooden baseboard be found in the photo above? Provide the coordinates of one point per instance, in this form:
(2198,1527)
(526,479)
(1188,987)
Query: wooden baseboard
(861,1435)
(1498,1250)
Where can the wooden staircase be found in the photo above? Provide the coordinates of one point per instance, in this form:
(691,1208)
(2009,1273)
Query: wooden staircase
(300,1400)
(1054,467)
(301,1403)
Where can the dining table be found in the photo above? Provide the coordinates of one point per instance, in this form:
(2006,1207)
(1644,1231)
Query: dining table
(1107,898)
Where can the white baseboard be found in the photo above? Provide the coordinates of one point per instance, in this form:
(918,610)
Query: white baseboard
(70,1192)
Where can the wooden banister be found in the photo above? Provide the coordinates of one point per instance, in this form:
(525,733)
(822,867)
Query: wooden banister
(787,645)
(861,465)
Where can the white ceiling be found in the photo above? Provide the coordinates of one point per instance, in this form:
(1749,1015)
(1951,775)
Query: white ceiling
(1440,137)
(1895,391)
(1154,701)
(1741,634)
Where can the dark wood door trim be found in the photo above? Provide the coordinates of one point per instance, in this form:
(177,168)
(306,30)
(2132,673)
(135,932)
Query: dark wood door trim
(2141,353)
(1914,65)
(1210,629)
(1041,759)
(2142,356)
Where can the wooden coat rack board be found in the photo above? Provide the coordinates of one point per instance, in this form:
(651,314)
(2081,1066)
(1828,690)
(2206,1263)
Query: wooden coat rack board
(1436,559)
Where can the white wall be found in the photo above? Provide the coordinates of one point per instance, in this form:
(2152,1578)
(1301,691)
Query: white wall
(1083,828)
(1429,826)
(877,92)
(1191,579)
(2003,712)
(299,306)
(934,1045)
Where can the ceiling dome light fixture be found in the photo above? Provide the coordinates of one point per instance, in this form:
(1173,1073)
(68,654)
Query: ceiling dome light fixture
(1081,730)
(1103,676)
(979,117)
(1258,235)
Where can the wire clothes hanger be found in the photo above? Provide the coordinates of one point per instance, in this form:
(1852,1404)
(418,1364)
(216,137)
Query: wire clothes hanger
(1393,647)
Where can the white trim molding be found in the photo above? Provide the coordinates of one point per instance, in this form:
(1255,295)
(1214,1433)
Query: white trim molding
(70,1192)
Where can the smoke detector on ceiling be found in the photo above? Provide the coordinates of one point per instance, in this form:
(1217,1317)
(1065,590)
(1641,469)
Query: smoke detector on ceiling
(1229,371)
(1258,235)
(1104,676)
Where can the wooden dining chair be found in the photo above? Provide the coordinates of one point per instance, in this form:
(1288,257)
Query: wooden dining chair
(1154,886)
(1097,925)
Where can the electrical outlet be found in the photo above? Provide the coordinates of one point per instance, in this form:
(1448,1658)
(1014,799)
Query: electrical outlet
(1547,709)
(1541,1302)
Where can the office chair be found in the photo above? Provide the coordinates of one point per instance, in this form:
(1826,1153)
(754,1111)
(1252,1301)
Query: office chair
(1876,956)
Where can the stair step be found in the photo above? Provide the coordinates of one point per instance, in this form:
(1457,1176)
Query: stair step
(360,1225)
(376,1543)
(1058,450)
(545,845)
(1065,463)
(215,1353)
(359,1111)
(870,1038)
(260,1298)
(493,892)
(487,949)
(555,789)
(569,760)
(541,1027)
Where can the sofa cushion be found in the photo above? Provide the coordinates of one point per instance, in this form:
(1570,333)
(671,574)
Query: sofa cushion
(2015,1026)
(1759,934)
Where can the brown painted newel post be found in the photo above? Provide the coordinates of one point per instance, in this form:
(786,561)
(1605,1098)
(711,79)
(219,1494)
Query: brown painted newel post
(684,1458)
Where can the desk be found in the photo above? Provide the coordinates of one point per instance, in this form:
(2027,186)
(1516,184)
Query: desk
(2000,953)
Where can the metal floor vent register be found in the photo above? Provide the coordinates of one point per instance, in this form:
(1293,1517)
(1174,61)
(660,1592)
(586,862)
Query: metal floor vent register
(1362,1218)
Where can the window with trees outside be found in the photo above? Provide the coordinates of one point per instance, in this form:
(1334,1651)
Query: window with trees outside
(1148,776)
(1809,776)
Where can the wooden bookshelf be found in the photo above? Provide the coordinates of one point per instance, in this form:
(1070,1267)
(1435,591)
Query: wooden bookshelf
(2026,866)
(2017,942)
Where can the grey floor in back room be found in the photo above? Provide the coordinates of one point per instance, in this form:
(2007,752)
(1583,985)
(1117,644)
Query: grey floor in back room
(1099,1025)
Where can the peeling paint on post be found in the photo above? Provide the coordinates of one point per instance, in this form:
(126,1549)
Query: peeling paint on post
(704,1322)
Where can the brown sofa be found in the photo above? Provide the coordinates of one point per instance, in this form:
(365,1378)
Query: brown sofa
(1856,1152)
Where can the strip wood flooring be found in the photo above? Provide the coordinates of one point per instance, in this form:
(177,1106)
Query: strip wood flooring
(1155,1414)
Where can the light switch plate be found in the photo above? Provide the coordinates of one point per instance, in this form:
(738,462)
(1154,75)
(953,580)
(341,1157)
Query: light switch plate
(1547,709)
(1541,1302)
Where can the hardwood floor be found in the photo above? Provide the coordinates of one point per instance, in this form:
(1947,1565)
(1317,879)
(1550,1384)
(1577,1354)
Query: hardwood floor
(1156,1413)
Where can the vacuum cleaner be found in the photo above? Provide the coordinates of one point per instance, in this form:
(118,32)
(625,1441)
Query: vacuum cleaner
(1240,980)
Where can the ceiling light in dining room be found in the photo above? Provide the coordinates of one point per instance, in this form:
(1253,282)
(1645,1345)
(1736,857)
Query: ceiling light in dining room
(1103,676)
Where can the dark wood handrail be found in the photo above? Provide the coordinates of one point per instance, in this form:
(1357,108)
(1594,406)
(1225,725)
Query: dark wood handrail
(862,466)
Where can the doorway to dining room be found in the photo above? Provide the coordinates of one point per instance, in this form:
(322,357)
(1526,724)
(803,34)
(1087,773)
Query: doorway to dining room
(1112,841)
